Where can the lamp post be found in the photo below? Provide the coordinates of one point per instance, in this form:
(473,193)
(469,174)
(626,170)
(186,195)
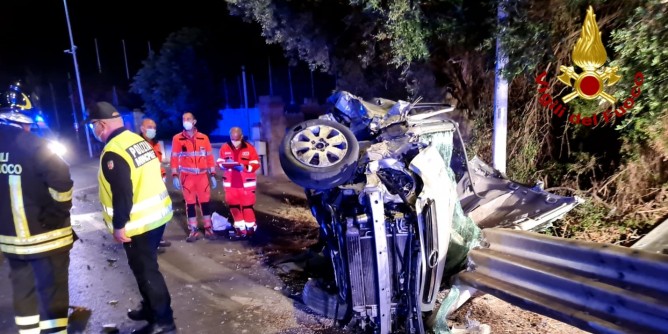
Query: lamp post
(73,52)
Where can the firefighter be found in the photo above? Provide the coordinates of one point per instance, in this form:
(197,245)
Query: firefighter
(136,207)
(148,131)
(239,161)
(35,232)
(192,167)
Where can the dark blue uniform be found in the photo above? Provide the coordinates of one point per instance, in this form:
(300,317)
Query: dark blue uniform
(35,231)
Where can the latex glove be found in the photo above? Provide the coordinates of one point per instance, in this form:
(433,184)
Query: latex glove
(176,182)
(213,182)
(239,168)
(164,179)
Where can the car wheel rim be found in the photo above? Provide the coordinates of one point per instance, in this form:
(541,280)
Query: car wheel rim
(319,146)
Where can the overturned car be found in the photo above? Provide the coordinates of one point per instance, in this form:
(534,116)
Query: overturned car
(399,207)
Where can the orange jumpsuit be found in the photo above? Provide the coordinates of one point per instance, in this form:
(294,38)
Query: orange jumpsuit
(158,153)
(240,183)
(193,160)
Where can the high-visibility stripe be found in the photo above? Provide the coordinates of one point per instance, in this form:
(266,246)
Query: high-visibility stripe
(193,154)
(18,210)
(250,184)
(227,184)
(35,239)
(240,224)
(145,204)
(54,323)
(194,170)
(61,196)
(27,320)
(30,331)
(36,249)
(254,162)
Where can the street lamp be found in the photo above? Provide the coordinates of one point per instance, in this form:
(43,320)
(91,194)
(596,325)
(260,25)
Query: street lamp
(73,52)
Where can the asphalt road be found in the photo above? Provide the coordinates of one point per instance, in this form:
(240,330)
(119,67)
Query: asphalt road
(219,286)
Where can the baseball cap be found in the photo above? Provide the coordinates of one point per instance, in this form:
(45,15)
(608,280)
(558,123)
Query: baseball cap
(102,110)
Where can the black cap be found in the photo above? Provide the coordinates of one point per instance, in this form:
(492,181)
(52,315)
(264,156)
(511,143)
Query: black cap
(102,110)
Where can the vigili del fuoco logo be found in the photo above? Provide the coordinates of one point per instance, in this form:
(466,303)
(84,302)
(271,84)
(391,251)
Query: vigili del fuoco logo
(590,56)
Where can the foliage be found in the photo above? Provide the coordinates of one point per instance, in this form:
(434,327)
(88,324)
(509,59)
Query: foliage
(176,80)
(442,48)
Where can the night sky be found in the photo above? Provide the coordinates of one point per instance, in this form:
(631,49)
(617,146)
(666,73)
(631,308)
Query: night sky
(34,36)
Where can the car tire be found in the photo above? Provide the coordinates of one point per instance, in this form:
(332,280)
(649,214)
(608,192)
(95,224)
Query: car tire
(319,154)
(322,302)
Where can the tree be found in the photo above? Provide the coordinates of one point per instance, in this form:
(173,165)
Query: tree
(176,80)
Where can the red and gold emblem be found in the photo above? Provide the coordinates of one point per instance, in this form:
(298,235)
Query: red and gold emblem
(589,54)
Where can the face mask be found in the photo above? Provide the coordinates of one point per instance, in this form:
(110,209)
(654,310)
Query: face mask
(188,125)
(236,143)
(150,133)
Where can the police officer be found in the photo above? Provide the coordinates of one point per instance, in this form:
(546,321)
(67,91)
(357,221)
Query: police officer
(136,207)
(35,232)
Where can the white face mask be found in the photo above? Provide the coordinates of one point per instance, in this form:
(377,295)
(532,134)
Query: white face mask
(188,125)
(150,133)
(236,143)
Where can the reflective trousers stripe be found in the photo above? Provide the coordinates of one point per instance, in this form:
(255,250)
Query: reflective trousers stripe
(27,321)
(18,210)
(30,331)
(61,196)
(39,248)
(35,239)
(54,323)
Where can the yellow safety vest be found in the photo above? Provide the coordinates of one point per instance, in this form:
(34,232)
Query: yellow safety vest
(151,205)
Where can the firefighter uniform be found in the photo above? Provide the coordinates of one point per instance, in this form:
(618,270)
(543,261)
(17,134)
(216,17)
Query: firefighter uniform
(239,183)
(35,232)
(194,163)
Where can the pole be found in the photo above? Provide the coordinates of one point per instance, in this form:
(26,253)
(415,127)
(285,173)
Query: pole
(73,51)
(227,95)
(243,76)
(292,95)
(125,56)
(70,92)
(271,84)
(500,102)
(254,92)
(55,105)
(97,53)
(312,86)
(149,48)
(239,91)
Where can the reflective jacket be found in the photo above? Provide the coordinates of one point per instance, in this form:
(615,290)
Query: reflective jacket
(35,197)
(246,155)
(158,152)
(151,205)
(192,155)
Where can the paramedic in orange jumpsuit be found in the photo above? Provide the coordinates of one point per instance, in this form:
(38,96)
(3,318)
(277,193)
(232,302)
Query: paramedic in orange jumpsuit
(148,130)
(192,167)
(239,181)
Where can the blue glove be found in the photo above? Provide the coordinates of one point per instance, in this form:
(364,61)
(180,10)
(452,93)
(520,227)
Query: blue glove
(213,182)
(239,168)
(176,182)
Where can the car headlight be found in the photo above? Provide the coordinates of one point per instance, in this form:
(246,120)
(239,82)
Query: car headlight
(57,148)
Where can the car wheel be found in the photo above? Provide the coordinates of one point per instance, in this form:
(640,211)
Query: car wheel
(322,302)
(319,154)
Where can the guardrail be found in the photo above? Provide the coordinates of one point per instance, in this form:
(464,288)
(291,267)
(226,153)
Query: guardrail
(600,288)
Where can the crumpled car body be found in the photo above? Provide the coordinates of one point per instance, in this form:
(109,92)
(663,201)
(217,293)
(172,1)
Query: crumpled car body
(397,214)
